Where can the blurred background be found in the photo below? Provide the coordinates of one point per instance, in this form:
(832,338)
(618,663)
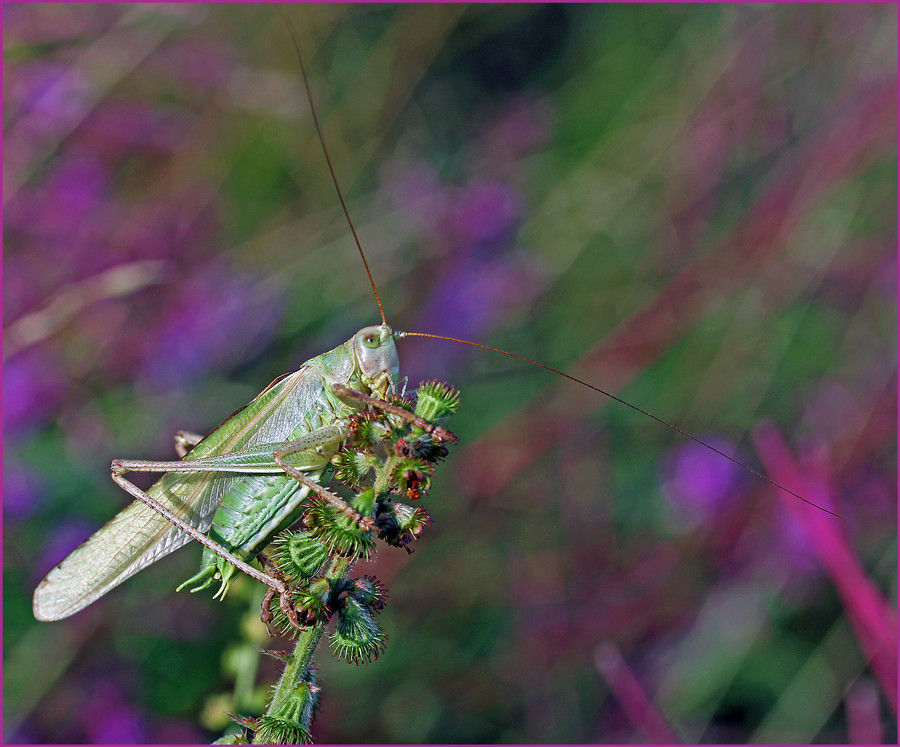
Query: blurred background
(691,206)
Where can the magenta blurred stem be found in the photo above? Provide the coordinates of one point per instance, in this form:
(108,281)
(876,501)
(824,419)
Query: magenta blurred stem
(872,619)
(632,696)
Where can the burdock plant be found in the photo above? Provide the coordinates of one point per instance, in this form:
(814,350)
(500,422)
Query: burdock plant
(385,460)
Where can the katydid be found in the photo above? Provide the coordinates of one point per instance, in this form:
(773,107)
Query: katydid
(230,485)
(242,484)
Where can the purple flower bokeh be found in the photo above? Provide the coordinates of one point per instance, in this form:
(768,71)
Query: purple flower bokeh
(108,719)
(216,318)
(23,491)
(486,211)
(33,386)
(698,481)
(49,98)
(76,188)
(115,130)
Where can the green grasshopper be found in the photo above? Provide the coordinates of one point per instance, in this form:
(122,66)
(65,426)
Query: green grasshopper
(303,413)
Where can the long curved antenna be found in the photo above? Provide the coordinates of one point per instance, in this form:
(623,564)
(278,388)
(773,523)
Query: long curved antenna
(315,116)
(675,428)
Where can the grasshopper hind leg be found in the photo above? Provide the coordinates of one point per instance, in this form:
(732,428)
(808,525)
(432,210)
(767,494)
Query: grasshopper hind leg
(210,544)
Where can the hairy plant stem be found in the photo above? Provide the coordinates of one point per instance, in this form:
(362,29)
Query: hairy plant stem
(290,695)
(294,693)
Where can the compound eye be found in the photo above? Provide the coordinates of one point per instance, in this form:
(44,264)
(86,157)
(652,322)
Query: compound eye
(370,340)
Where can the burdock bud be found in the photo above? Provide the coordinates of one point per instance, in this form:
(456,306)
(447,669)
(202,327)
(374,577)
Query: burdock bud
(411,477)
(277,731)
(436,401)
(357,637)
(339,533)
(298,555)
(369,591)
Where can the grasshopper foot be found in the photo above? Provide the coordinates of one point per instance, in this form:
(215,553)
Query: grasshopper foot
(297,609)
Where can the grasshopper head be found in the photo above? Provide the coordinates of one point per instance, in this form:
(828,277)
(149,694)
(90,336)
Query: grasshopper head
(376,355)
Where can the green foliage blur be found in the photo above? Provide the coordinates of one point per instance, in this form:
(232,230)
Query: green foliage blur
(690,206)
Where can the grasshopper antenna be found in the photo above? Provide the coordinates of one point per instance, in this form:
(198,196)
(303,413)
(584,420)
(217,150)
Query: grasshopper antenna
(400,335)
(315,115)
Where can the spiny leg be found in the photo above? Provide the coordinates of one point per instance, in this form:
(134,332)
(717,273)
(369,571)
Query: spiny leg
(257,459)
(254,460)
(265,607)
(196,534)
(265,612)
(265,562)
(441,434)
(365,522)
(286,607)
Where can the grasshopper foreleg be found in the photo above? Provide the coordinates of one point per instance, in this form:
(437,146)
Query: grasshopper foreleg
(436,431)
